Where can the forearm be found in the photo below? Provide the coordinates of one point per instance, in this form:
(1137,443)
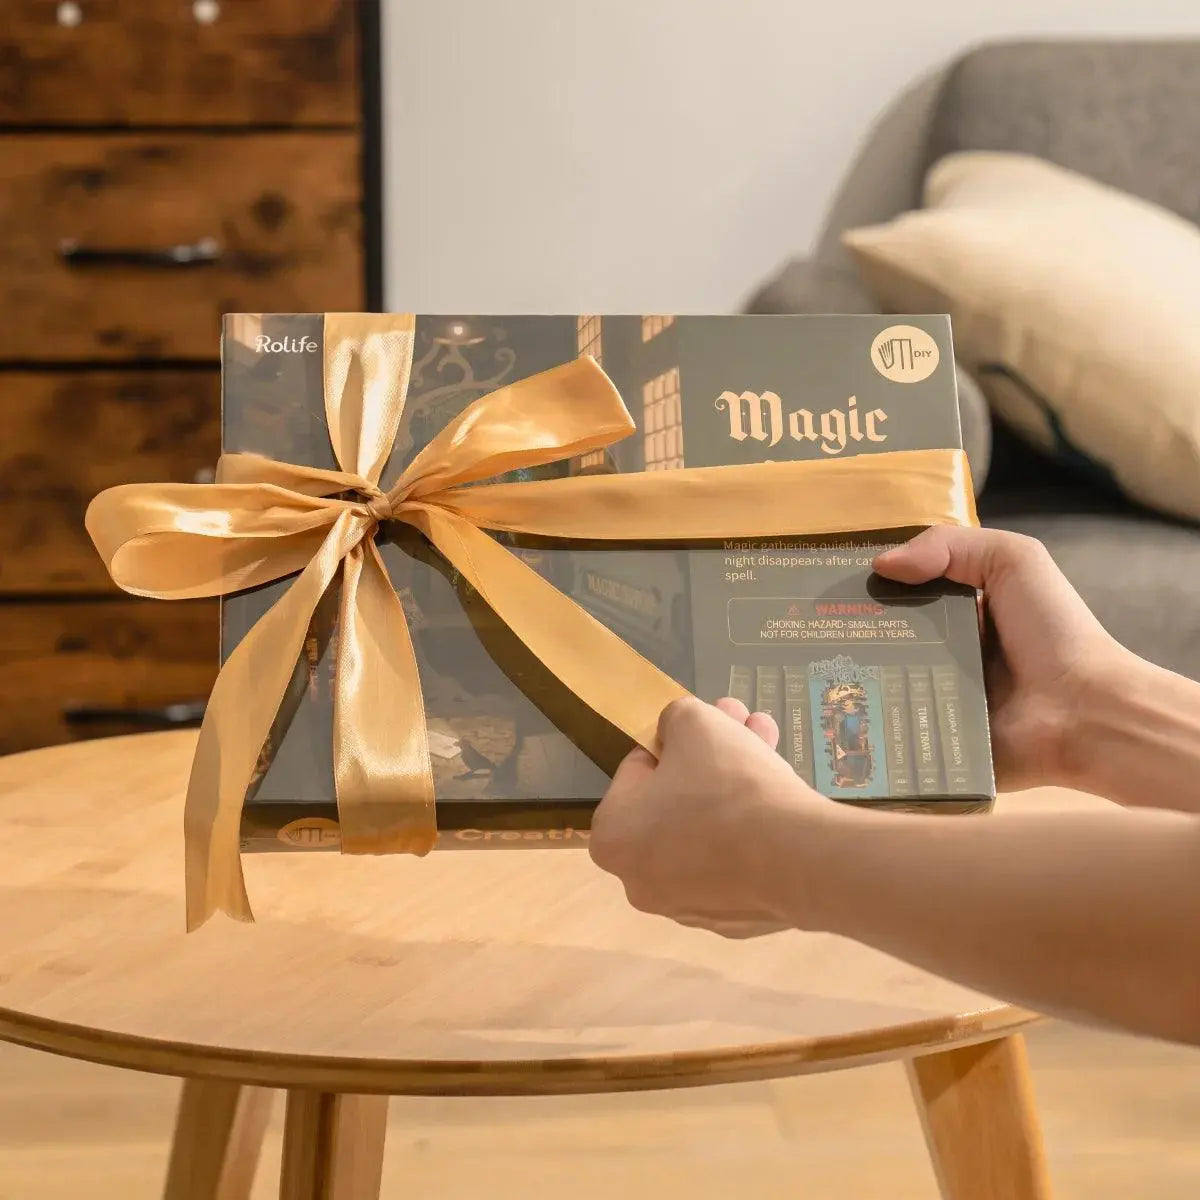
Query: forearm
(1091,916)
(1138,739)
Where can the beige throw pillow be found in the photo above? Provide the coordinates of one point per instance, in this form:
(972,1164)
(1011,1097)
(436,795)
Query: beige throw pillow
(1076,306)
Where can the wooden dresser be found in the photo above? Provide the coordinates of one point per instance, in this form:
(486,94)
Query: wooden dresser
(161,162)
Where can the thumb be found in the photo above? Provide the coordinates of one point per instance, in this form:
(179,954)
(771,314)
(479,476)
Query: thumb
(1015,572)
(963,555)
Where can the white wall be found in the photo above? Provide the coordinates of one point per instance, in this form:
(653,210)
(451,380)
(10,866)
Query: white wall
(652,155)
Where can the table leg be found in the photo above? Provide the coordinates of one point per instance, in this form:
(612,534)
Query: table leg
(219,1131)
(333,1146)
(977,1110)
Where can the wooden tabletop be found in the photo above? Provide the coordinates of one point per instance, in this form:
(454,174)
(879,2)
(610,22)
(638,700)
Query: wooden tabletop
(491,972)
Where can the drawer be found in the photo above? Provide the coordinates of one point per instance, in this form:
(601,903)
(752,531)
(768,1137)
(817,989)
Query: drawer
(69,436)
(160,62)
(90,226)
(121,654)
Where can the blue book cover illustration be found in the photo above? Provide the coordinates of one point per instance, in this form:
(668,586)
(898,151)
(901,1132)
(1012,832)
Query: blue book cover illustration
(847,705)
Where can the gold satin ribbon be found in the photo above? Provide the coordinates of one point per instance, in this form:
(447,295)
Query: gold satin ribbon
(263,520)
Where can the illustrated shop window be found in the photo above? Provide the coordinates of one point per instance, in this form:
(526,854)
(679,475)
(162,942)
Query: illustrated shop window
(587,341)
(653,326)
(663,417)
(587,337)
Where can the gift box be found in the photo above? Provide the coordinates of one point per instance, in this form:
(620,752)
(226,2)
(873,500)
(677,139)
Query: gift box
(466,560)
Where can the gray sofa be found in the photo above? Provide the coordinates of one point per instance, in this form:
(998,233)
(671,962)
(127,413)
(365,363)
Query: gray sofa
(1127,114)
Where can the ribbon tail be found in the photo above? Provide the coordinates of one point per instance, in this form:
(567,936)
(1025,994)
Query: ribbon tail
(381,752)
(607,674)
(237,721)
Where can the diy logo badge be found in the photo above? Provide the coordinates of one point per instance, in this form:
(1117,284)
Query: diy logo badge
(905,354)
(311,833)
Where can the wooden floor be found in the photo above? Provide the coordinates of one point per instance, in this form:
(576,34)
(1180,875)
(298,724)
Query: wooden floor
(1121,1119)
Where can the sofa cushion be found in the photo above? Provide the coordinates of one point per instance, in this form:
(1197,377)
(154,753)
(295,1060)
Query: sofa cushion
(1073,306)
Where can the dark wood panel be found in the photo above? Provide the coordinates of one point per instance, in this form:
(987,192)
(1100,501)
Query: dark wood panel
(121,653)
(151,62)
(67,437)
(283,210)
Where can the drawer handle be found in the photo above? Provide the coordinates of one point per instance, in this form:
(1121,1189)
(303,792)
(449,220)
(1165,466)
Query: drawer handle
(198,254)
(170,716)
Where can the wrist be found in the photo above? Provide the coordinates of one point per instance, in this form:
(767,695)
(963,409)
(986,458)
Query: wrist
(1093,709)
(803,865)
(1132,717)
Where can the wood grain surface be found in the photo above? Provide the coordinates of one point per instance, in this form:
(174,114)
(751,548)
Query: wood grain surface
(218,1139)
(506,973)
(68,437)
(151,62)
(979,1117)
(284,211)
(333,1147)
(115,653)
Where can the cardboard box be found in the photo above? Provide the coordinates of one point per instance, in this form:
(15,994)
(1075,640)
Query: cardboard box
(878,689)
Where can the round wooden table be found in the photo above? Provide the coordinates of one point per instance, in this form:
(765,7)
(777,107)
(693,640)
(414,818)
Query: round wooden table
(488,973)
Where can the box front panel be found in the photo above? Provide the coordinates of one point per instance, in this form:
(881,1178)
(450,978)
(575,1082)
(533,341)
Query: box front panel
(797,627)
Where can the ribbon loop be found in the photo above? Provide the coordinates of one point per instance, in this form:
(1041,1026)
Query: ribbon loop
(546,418)
(180,541)
(291,477)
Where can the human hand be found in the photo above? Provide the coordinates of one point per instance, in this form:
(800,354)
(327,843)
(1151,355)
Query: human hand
(1045,654)
(689,834)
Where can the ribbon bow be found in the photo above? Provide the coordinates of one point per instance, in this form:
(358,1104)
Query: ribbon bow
(263,520)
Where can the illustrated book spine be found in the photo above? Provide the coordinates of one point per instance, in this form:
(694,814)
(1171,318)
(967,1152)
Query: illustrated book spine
(926,749)
(950,726)
(768,692)
(897,731)
(741,685)
(796,737)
